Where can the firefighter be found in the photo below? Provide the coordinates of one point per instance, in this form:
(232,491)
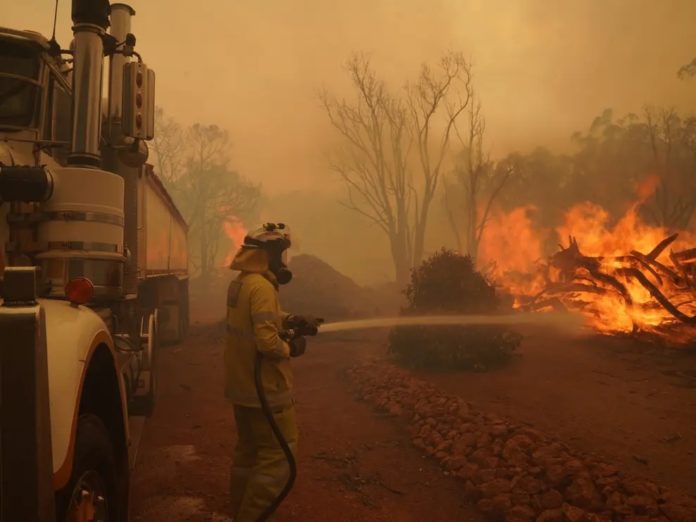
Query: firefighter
(255,324)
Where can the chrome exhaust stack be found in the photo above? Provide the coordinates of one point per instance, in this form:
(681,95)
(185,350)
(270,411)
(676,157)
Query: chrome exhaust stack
(121,15)
(90,19)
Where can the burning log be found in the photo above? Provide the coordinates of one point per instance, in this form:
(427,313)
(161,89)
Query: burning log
(636,292)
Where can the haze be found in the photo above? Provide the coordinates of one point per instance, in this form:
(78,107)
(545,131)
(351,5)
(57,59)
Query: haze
(543,70)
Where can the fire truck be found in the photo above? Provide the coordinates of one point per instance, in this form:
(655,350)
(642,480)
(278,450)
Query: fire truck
(93,264)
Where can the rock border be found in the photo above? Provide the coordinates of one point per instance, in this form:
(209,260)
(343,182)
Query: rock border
(511,471)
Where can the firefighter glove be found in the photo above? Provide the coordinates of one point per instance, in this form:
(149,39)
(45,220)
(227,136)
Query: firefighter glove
(304,324)
(298,345)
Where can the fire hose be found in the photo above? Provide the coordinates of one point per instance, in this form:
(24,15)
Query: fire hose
(306,328)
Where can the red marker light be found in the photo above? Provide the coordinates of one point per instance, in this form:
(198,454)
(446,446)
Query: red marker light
(79,291)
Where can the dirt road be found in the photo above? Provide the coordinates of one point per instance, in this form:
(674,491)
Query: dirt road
(354,465)
(631,405)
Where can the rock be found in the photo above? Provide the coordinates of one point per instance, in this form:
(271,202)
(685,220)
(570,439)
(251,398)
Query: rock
(498,430)
(495,487)
(616,501)
(582,492)
(558,477)
(484,441)
(520,441)
(463,444)
(604,470)
(455,463)
(551,515)
(481,457)
(643,505)
(530,484)
(496,506)
(520,514)
(511,454)
(534,435)
(520,497)
(573,513)
(575,467)
(443,446)
(551,499)
(484,475)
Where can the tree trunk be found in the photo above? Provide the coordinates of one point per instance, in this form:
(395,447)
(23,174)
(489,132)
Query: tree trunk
(400,257)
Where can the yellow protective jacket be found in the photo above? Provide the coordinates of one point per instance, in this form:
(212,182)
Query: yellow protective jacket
(254,319)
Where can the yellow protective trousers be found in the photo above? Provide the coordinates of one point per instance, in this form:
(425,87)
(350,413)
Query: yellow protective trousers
(259,468)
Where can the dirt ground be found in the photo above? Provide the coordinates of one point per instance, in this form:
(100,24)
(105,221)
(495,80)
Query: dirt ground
(354,465)
(633,404)
(630,404)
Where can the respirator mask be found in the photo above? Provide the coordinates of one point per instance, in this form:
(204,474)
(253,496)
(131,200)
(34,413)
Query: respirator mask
(277,264)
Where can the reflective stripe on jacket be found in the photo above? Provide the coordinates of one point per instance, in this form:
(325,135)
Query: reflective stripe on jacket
(254,319)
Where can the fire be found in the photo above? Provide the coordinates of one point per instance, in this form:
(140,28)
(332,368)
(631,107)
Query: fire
(590,225)
(624,277)
(236,231)
(510,242)
(511,249)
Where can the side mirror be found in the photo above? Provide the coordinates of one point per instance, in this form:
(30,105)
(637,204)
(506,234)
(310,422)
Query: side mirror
(138,119)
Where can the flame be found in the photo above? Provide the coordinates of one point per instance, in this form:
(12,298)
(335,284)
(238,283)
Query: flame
(607,271)
(510,249)
(236,231)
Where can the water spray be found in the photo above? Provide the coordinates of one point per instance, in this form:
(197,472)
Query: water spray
(569,322)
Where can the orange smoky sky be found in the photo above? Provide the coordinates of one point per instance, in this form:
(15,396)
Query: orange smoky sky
(543,69)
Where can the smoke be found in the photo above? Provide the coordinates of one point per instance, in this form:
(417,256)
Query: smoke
(542,71)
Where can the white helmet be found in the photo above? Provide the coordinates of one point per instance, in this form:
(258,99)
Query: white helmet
(274,238)
(269,235)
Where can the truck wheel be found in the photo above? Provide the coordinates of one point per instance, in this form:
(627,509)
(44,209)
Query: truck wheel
(91,493)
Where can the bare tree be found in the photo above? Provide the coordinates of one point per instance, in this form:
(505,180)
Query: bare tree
(477,183)
(445,93)
(168,146)
(214,193)
(386,181)
(194,165)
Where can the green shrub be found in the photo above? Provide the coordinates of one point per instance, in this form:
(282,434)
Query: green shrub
(447,283)
(453,347)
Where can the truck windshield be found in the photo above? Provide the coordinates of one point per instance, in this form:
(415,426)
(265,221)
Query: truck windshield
(19,84)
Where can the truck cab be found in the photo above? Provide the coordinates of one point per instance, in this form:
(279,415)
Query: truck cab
(93,267)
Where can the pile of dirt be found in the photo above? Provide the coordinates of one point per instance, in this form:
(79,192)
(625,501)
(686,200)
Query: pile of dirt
(511,471)
(319,289)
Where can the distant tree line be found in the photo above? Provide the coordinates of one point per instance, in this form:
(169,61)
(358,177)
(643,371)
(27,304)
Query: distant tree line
(194,164)
(611,158)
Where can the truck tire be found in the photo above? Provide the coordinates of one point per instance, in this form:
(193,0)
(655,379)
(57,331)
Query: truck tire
(91,493)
